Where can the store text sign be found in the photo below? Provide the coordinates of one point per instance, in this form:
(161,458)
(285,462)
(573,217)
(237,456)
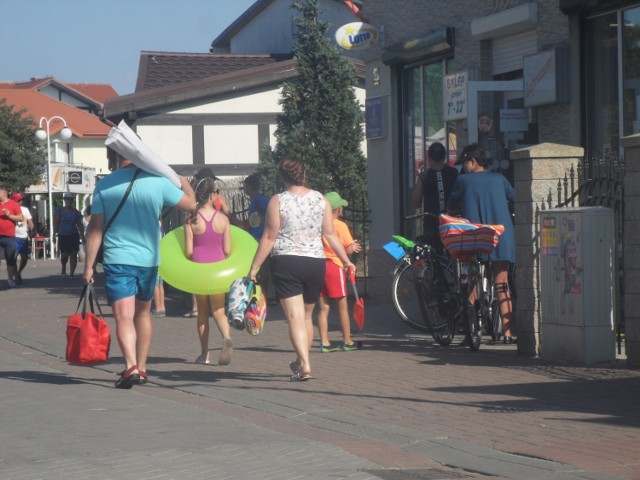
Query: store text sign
(356,36)
(454,94)
(539,76)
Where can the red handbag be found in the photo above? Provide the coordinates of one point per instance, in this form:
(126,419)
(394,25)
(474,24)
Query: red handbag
(88,336)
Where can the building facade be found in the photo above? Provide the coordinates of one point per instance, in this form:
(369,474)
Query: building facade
(463,71)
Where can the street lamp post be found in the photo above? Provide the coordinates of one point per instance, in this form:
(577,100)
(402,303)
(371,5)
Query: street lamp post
(41,134)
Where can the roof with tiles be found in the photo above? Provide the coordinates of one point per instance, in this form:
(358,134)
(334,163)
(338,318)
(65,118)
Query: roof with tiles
(161,69)
(38,105)
(206,88)
(96,93)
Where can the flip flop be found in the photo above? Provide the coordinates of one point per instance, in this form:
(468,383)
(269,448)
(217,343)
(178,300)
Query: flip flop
(225,353)
(295,368)
(300,377)
(202,361)
(190,314)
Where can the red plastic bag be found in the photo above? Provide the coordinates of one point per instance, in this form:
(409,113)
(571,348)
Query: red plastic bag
(88,336)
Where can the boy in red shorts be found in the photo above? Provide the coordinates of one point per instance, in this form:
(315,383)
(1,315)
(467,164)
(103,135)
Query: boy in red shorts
(335,282)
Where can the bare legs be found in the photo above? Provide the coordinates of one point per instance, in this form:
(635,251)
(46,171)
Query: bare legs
(323,321)
(342,306)
(299,316)
(133,330)
(501,279)
(158,298)
(214,304)
(72,258)
(64,258)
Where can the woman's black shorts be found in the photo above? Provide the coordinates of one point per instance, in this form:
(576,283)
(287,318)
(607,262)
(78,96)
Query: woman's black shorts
(295,275)
(69,243)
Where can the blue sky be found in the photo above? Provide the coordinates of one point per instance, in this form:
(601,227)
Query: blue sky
(99,41)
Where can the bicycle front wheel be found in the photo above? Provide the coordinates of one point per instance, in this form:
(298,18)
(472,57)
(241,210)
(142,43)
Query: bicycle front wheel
(434,291)
(405,297)
(474,310)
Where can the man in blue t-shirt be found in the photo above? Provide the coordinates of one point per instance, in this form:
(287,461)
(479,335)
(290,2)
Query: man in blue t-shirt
(257,207)
(131,253)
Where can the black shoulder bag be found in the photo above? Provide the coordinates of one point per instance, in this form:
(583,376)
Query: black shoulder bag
(100,255)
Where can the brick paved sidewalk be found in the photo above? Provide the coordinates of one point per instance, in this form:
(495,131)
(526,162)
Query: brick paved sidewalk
(400,402)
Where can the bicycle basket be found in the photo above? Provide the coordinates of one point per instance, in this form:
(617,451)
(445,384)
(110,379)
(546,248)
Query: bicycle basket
(462,238)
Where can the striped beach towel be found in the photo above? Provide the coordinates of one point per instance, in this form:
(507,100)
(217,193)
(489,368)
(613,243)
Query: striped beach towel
(462,238)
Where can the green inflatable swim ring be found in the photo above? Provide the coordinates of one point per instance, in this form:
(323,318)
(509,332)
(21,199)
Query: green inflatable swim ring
(205,278)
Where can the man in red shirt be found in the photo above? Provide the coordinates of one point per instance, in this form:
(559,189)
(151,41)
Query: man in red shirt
(10,213)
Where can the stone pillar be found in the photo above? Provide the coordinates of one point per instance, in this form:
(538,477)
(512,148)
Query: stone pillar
(537,170)
(631,243)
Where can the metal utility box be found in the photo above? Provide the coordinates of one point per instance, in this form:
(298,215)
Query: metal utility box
(577,283)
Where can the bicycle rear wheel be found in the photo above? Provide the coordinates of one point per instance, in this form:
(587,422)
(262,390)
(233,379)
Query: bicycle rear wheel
(405,298)
(435,290)
(474,310)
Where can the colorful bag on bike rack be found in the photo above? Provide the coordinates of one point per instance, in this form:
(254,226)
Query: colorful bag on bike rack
(463,238)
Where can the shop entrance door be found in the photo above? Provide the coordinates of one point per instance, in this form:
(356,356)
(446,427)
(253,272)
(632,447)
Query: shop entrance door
(499,122)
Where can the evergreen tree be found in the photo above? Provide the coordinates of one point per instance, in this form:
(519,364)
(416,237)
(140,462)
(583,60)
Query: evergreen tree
(22,159)
(321,117)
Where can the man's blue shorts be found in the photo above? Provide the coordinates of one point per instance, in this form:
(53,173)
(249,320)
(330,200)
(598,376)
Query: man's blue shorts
(22,246)
(123,281)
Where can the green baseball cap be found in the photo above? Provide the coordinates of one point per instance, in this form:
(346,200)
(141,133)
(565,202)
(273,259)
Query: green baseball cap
(335,200)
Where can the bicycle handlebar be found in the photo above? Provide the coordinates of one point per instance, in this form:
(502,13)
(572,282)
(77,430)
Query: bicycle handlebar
(418,215)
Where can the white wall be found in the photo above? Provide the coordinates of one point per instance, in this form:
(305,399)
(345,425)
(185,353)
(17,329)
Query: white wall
(90,152)
(262,102)
(230,144)
(172,143)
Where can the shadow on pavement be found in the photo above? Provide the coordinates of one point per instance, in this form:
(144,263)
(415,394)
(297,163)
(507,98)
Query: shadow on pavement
(42,377)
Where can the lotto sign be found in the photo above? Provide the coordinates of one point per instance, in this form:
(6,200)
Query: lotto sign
(454,94)
(356,36)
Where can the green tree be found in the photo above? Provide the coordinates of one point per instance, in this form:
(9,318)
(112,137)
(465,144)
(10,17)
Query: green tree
(22,159)
(321,116)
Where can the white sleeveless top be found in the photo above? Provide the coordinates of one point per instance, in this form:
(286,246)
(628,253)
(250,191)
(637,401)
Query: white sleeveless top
(300,225)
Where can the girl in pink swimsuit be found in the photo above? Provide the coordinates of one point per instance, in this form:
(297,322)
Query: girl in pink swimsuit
(207,240)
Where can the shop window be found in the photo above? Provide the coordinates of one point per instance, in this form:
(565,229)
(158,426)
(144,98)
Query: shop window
(631,71)
(422,122)
(601,82)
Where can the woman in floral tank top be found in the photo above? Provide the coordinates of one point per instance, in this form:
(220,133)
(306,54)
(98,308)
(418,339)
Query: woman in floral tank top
(296,220)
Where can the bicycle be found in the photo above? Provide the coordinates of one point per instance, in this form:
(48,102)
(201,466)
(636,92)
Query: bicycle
(430,292)
(420,271)
(474,288)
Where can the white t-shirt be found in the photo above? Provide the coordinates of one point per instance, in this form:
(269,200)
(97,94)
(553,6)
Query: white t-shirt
(22,228)
(300,225)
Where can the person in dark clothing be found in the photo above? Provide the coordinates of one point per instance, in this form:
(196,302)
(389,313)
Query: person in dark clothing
(432,190)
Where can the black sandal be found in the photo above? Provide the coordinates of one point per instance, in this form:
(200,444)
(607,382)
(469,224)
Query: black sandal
(128,379)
